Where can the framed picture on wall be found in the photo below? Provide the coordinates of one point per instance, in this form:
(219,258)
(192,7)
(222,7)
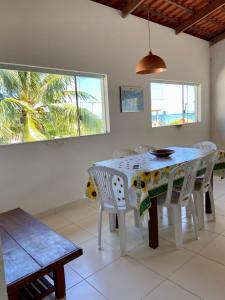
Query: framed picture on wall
(131,99)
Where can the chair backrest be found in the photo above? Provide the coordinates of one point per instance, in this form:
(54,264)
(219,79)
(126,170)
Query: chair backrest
(3,292)
(143,148)
(206,146)
(188,172)
(123,153)
(209,162)
(111,186)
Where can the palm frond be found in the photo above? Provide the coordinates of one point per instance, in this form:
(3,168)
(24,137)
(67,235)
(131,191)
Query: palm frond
(10,83)
(85,96)
(90,123)
(31,132)
(19,104)
(30,85)
(54,87)
(36,106)
(10,124)
(64,118)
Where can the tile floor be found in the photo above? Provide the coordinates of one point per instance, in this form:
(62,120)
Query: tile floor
(195,272)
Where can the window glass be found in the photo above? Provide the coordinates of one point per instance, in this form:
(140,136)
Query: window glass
(36,106)
(91,105)
(173,103)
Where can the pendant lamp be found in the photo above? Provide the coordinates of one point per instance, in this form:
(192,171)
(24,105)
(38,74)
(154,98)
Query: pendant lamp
(150,63)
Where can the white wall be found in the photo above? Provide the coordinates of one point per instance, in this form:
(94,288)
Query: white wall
(85,36)
(218,93)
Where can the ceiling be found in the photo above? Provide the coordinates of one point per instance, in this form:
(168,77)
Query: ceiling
(201,18)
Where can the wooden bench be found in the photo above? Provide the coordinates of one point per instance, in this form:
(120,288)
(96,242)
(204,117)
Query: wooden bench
(34,257)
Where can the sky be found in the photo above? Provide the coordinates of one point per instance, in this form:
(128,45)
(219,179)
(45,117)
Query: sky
(168,97)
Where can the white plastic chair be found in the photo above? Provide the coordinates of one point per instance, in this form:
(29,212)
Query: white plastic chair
(123,153)
(114,197)
(143,148)
(3,292)
(176,198)
(120,154)
(206,146)
(203,185)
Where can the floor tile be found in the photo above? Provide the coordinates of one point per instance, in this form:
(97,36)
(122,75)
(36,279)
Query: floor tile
(133,238)
(220,207)
(170,291)
(81,291)
(218,226)
(216,250)
(71,277)
(204,238)
(125,279)
(218,187)
(94,259)
(202,277)
(164,260)
(75,234)
(77,212)
(168,232)
(93,203)
(90,223)
(55,221)
(189,241)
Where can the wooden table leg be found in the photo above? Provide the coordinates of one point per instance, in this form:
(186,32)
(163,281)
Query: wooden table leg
(153,225)
(208,209)
(59,282)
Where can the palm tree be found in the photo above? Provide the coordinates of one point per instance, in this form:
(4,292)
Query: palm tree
(37,106)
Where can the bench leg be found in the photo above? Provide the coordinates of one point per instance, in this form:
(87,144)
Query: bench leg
(14,296)
(59,282)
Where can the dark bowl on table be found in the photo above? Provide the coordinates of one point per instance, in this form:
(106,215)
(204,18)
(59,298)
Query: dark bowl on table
(160,153)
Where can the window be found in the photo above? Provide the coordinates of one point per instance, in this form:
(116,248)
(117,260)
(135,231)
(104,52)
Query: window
(174,103)
(37,105)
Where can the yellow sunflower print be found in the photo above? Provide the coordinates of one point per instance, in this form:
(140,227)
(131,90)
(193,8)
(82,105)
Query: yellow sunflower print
(139,182)
(167,169)
(156,176)
(147,176)
(90,192)
(180,173)
(221,154)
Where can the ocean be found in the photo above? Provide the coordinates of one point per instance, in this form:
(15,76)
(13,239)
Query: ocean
(167,119)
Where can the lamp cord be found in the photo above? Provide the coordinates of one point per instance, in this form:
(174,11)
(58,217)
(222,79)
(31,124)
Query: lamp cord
(149,31)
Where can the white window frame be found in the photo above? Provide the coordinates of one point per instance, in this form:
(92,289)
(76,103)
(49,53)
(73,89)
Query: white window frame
(182,83)
(104,78)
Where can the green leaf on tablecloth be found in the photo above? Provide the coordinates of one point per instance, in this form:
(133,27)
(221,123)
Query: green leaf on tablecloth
(219,166)
(145,204)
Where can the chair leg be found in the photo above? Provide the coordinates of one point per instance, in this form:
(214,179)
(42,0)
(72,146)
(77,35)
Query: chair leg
(194,217)
(178,226)
(100,229)
(122,233)
(199,204)
(136,218)
(160,211)
(112,222)
(195,199)
(138,223)
(170,216)
(211,197)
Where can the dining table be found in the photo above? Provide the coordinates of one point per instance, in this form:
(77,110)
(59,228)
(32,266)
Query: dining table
(148,176)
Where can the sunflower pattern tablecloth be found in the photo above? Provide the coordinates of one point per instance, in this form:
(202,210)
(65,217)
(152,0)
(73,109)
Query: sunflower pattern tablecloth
(151,183)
